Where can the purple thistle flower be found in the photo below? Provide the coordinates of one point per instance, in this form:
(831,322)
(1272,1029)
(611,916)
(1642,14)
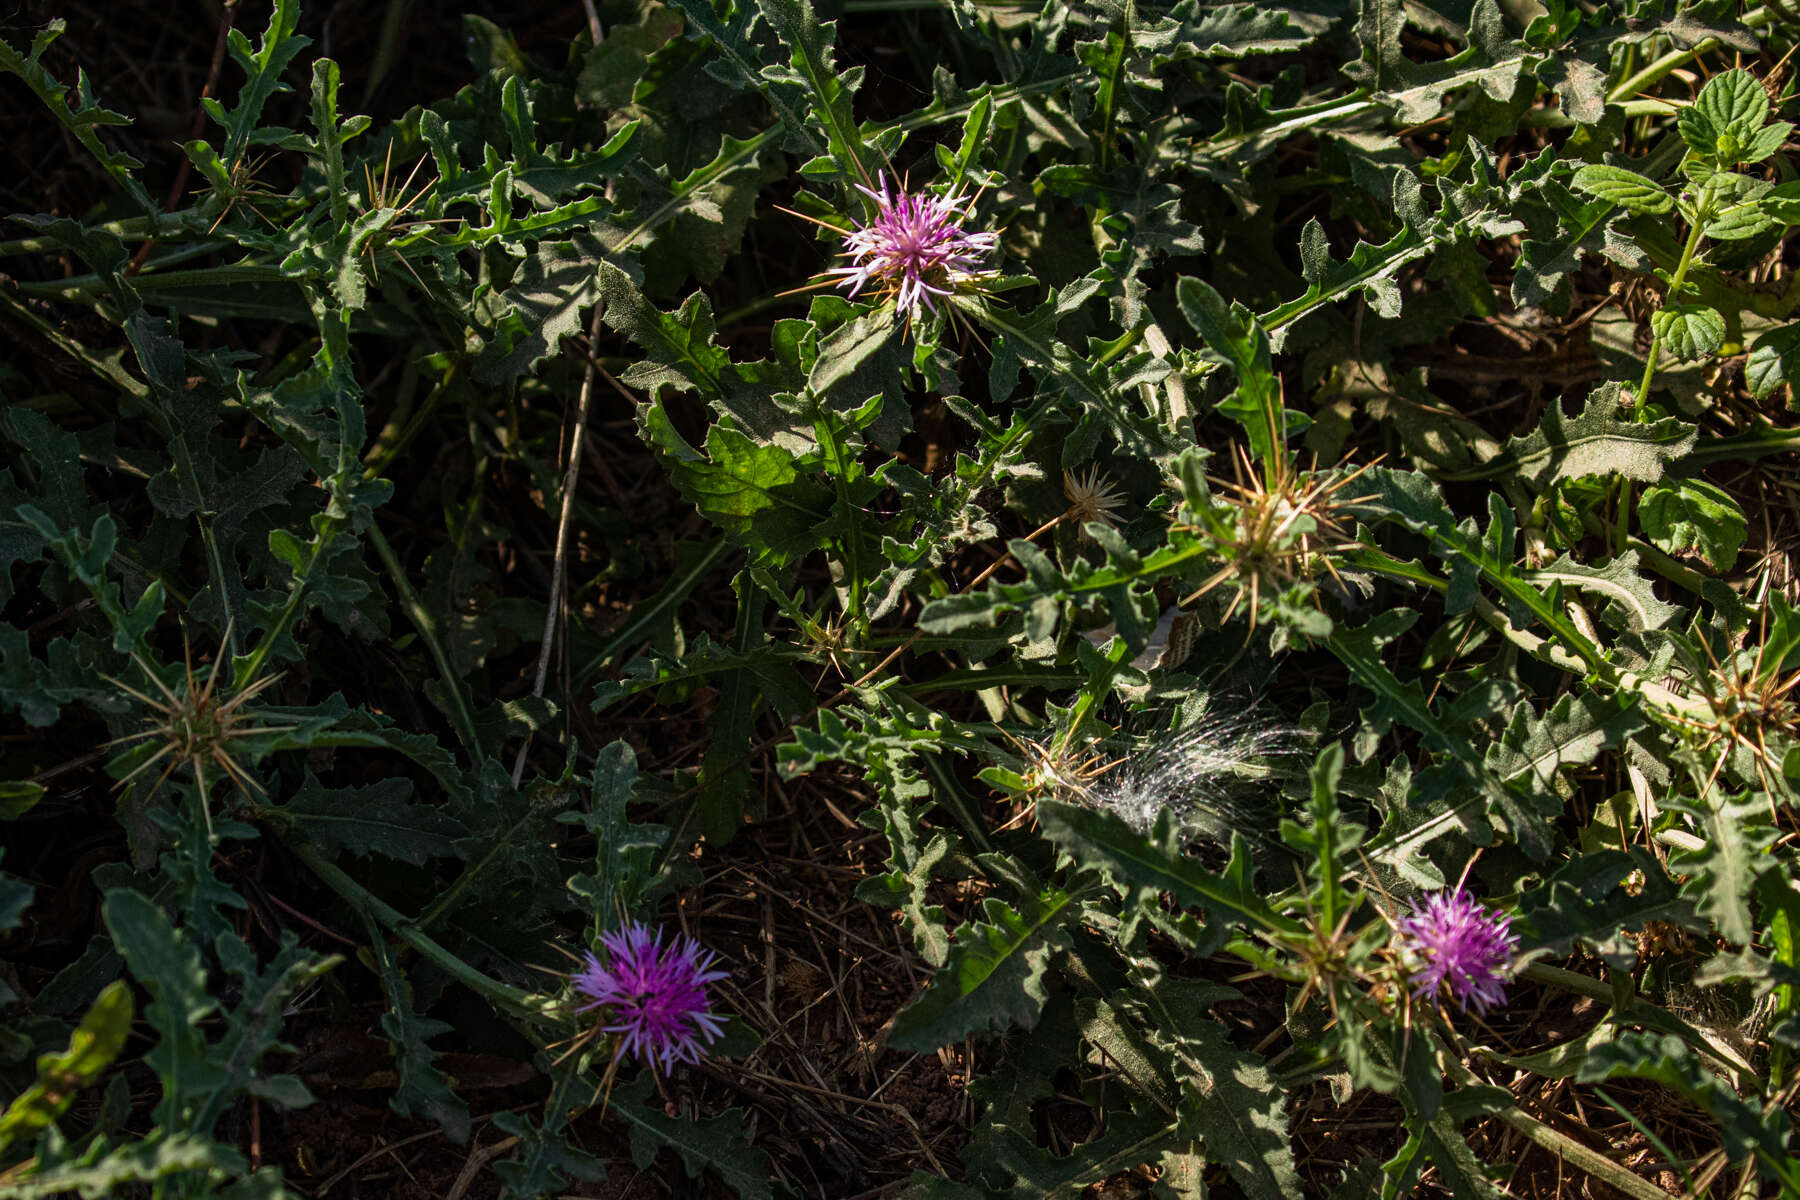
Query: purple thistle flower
(915,245)
(654,995)
(1461,942)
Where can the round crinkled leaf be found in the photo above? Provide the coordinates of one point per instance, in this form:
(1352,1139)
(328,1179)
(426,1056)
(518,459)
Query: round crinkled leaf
(1689,331)
(1773,361)
(1731,108)
(1627,189)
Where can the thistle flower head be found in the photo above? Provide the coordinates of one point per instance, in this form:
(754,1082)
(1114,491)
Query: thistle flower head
(1455,939)
(653,996)
(915,246)
(1092,497)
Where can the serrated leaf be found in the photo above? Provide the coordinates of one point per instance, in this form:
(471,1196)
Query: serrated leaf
(1680,515)
(752,491)
(1131,1138)
(545,1160)
(169,965)
(914,853)
(1232,333)
(717,1143)
(680,345)
(374,819)
(1103,840)
(554,286)
(994,977)
(83,118)
(1601,441)
(1592,899)
(1575,730)
(1689,331)
(1627,189)
(1462,1171)
(624,852)
(809,40)
(1235,1103)
(1736,837)
(610,71)
(424,1092)
(105,1171)
(1631,601)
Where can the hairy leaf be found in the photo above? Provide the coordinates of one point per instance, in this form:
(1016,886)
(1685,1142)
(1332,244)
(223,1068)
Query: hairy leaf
(994,977)
(1680,515)
(1601,441)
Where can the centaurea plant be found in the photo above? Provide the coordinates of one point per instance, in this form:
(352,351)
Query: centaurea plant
(1452,938)
(914,246)
(654,997)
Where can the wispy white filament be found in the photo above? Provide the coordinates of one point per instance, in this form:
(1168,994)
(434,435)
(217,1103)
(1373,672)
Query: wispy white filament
(1197,773)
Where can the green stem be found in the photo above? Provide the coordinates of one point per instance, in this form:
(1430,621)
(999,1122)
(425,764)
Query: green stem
(517,999)
(225,276)
(1696,229)
(422,620)
(1702,214)
(251,668)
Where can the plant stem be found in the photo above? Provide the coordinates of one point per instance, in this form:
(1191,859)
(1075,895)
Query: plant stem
(422,620)
(249,670)
(1696,229)
(517,999)
(1702,214)
(560,568)
(1577,1155)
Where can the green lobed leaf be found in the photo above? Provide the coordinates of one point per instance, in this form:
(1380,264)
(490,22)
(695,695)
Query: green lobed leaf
(994,976)
(424,1091)
(1736,837)
(754,492)
(373,819)
(1602,440)
(1101,839)
(1229,1097)
(92,1047)
(1682,515)
(169,966)
(557,283)
(717,1143)
(1749,1134)
(103,1170)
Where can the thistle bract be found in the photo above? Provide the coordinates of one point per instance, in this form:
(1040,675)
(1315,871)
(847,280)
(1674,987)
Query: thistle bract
(915,246)
(653,996)
(1457,940)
